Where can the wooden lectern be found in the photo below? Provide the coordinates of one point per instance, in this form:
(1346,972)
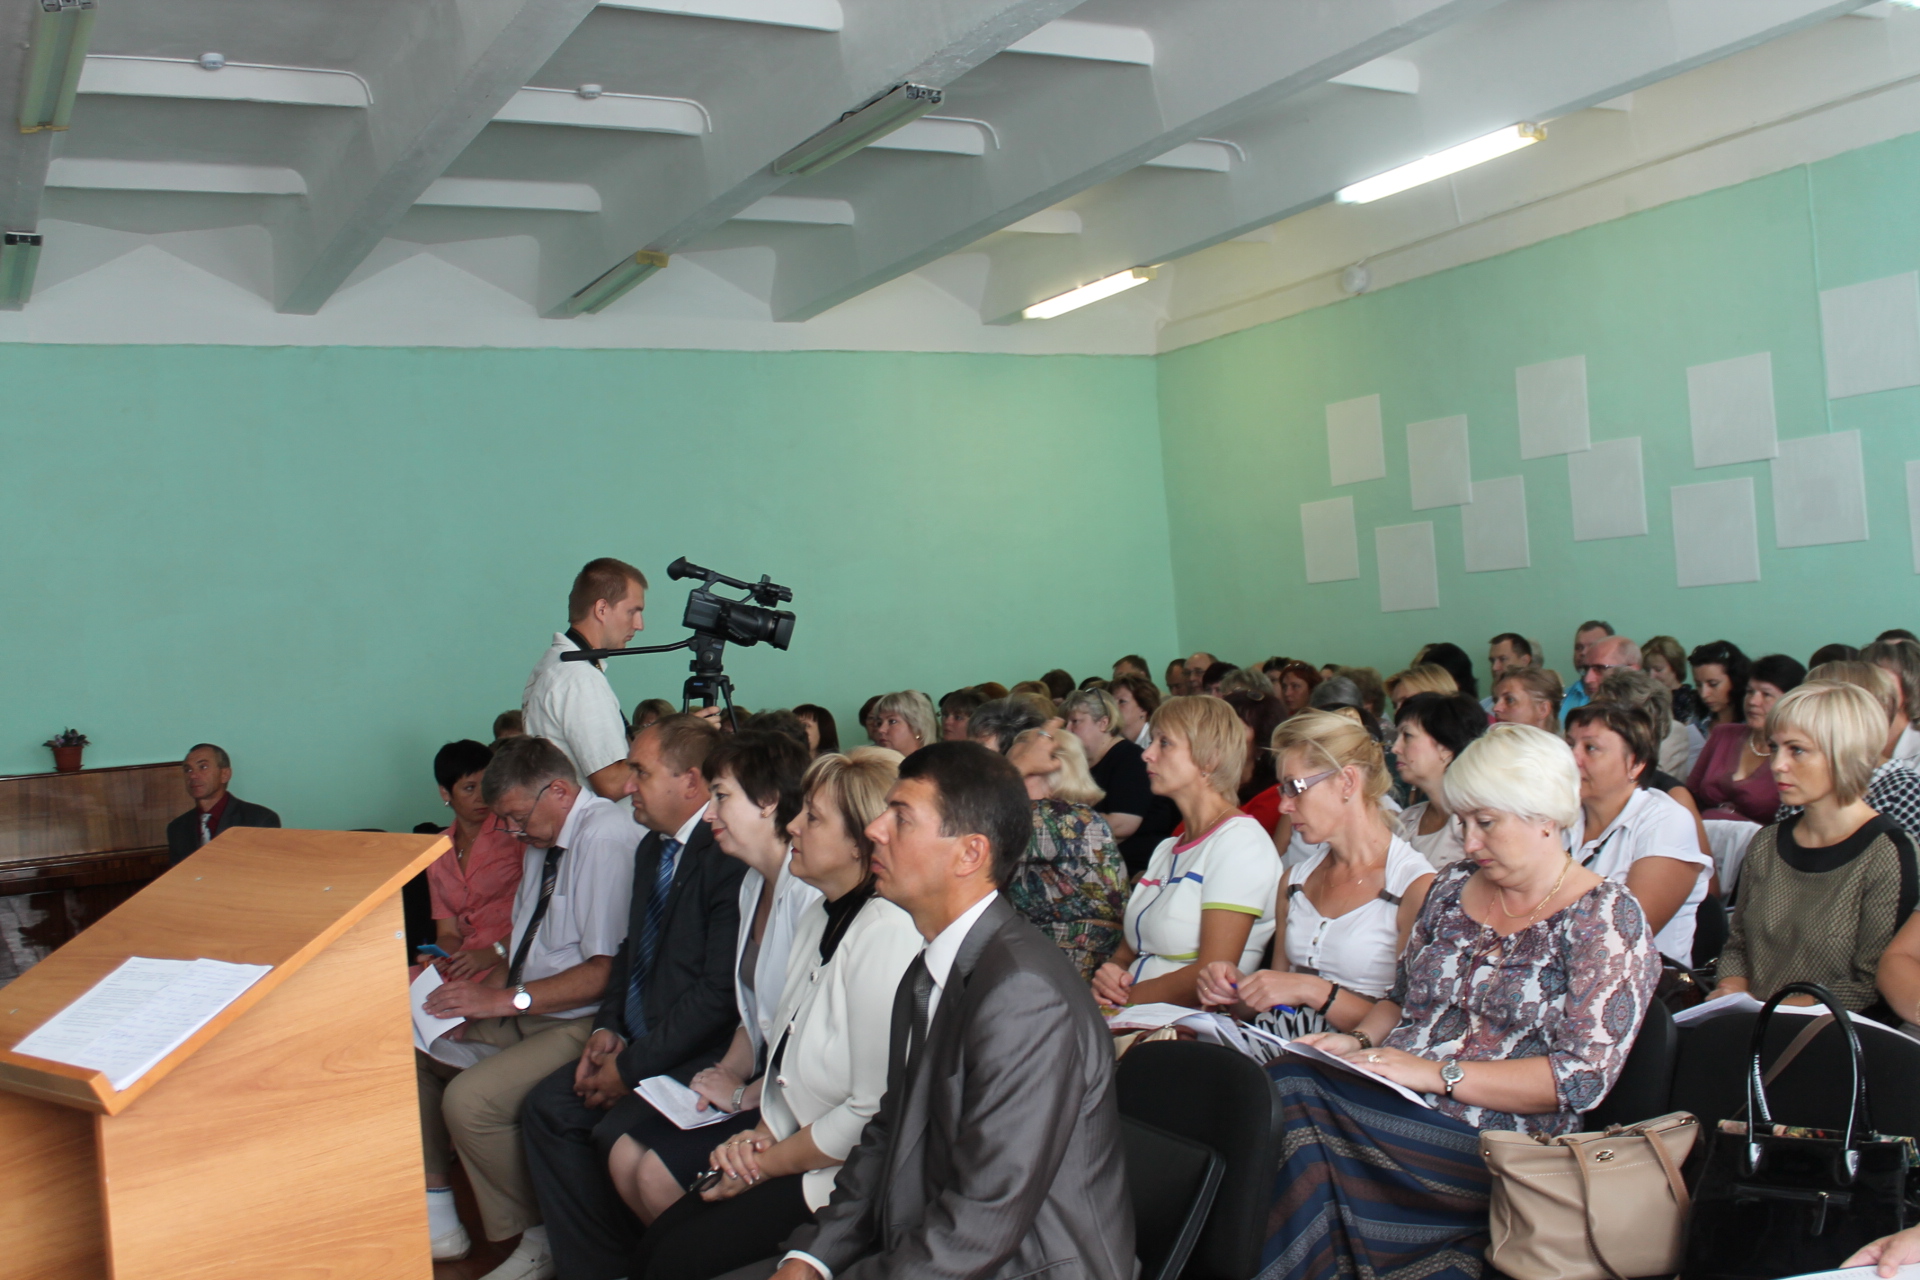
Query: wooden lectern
(283,1139)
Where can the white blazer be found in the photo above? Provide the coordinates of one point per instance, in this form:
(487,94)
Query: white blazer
(791,898)
(834,1070)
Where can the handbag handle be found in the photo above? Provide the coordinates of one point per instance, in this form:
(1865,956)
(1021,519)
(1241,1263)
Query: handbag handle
(1675,1182)
(1758,1113)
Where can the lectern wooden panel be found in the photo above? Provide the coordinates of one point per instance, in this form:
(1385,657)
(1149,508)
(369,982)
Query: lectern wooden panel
(283,1138)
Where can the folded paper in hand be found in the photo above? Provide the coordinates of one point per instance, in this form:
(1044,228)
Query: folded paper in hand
(1322,1058)
(678,1103)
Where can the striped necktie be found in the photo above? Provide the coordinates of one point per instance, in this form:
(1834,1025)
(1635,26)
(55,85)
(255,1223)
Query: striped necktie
(650,939)
(549,876)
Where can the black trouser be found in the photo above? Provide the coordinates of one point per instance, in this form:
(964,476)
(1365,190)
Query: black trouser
(590,1228)
(698,1240)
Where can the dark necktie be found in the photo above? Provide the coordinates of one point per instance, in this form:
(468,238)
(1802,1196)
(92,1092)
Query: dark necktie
(650,938)
(549,876)
(922,980)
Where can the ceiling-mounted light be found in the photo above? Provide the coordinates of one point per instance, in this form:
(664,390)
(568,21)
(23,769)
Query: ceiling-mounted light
(902,104)
(1442,163)
(60,31)
(19,258)
(616,284)
(1074,299)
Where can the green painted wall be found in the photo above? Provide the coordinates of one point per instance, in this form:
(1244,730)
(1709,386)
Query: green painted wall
(332,560)
(1721,275)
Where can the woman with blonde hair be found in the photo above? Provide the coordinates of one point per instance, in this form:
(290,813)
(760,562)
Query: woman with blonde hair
(1343,915)
(905,721)
(1529,696)
(1208,894)
(1424,677)
(1071,883)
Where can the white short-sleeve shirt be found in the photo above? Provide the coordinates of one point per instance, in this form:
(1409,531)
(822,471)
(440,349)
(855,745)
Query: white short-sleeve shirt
(1358,950)
(592,893)
(1441,848)
(1653,825)
(1232,867)
(572,705)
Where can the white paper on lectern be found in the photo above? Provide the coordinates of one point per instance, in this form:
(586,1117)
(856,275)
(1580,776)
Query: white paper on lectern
(1608,490)
(1330,540)
(1494,526)
(1716,537)
(1409,573)
(1552,397)
(1913,510)
(1871,332)
(1731,406)
(1819,491)
(1356,450)
(1439,464)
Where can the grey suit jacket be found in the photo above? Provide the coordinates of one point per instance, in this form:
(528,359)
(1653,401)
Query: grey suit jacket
(996,1152)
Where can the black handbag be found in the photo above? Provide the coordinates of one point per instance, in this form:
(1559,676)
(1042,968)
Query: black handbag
(1773,1201)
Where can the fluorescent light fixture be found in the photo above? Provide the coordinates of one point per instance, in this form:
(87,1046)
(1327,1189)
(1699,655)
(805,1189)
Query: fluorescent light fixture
(1442,163)
(19,258)
(1074,299)
(59,52)
(617,283)
(897,106)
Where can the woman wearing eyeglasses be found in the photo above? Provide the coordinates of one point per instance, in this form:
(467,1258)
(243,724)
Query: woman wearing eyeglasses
(1343,914)
(1208,894)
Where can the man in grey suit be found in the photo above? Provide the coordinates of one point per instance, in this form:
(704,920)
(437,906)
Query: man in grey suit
(996,1151)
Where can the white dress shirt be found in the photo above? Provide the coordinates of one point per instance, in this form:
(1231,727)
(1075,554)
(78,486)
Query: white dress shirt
(592,891)
(571,705)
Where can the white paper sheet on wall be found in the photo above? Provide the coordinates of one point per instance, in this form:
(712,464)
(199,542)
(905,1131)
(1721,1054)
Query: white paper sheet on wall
(1439,464)
(1731,405)
(1609,491)
(1355,448)
(1409,573)
(1553,407)
(1913,510)
(1716,536)
(1331,542)
(1494,526)
(1819,491)
(1871,332)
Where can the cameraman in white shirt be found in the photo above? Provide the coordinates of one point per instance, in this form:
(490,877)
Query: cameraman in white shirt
(571,703)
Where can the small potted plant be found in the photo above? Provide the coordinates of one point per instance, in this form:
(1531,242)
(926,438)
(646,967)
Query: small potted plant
(67,746)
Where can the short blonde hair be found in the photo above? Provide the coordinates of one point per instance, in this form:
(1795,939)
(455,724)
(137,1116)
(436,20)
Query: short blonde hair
(856,784)
(1517,769)
(1073,780)
(1215,735)
(916,708)
(1424,677)
(1871,676)
(1337,742)
(1097,703)
(1846,724)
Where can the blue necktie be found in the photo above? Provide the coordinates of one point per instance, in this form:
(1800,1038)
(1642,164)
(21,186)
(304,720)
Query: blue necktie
(650,939)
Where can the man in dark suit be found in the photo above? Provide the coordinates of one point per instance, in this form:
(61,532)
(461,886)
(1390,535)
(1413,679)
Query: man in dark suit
(209,770)
(996,1151)
(669,1007)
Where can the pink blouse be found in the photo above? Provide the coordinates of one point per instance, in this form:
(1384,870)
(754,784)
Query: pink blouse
(1754,798)
(478,900)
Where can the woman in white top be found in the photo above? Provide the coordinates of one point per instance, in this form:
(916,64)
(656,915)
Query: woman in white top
(754,778)
(1431,730)
(830,1041)
(1634,835)
(1346,910)
(1206,895)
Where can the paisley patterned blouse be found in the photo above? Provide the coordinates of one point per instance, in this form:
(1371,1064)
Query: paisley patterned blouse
(1571,988)
(1071,882)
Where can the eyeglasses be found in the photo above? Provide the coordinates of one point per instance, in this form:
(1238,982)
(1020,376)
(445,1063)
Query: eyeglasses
(1604,667)
(1294,788)
(517,827)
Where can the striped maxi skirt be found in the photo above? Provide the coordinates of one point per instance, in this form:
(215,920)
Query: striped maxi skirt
(1372,1187)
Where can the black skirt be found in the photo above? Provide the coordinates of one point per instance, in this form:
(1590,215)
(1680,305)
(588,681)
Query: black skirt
(685,1152)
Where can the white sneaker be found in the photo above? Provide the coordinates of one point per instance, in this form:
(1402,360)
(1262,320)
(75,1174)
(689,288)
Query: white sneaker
(453,1246)
(530,1260)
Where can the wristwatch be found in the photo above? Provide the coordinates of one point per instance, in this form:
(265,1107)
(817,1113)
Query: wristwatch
(1450,1073)
(523,999)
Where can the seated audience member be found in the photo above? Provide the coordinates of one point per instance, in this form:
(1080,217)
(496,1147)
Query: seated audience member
(781,721)
(1210,679)
(1720,683)
(829,1041)
(1664,660)
(996,724)
(1137,699)
(1895,790)
(866,717)
(1006,1015)
(1529,696)
(754,781)
(1432,731)
(472,885)
(1295,683)
(670,1007)
(509,724)
(905,722)
(1631,834)
(1175,677)
(1343,914)
(823,735)
(1033,689)
(1205,897)
(1262,714)
(1646,693)
(1519,995)
(1898,633)
(955,709)
(1095,682)
(1131,665)
(1070,882)
(991,689)
(526,1019)
(1604,656)
(1585,636)
(1901,659)
(1454,661)
(1197,667)
(1139,819)
(1059,684)
(1373,691)
(208,770)
(1248,680)
(1823,893)
(1507,652)
(651,711)
(1731,779)
(1833,653)
(1424,678)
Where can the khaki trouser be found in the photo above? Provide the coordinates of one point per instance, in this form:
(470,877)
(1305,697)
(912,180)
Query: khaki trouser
(477,1111)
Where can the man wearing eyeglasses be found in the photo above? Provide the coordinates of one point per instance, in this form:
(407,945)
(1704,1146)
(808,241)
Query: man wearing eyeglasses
(533,1014)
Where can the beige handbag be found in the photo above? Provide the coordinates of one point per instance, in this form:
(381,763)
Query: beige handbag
(1590,1206)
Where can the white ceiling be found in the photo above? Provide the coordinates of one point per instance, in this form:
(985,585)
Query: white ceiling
(344,138)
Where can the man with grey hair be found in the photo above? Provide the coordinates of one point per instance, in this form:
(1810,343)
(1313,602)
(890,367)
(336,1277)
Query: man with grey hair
(1679,743)
(533,1014)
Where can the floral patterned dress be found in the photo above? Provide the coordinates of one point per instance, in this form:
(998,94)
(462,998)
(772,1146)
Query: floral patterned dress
(1071,883)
